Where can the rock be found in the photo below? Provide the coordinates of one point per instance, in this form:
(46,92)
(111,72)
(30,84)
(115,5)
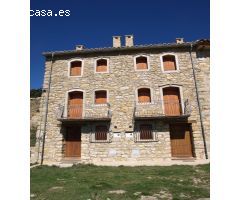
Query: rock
(137,193)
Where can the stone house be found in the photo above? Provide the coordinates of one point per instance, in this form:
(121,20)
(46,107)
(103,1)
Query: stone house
(126,105)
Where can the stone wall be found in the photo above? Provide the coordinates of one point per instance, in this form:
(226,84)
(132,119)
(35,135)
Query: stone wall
(202,64)
(122,81)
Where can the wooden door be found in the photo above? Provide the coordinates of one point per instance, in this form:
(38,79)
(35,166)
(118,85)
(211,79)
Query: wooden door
(172,101)
(75,104)
(181,140)
(73,142)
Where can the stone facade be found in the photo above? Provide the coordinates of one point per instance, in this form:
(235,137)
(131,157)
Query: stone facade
(122,82)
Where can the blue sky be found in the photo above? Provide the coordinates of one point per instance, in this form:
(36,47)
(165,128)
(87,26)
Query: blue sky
(93,23)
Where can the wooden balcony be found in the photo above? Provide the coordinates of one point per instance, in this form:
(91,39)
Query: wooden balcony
(87,112)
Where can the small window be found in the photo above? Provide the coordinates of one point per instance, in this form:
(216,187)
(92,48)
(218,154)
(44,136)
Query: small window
(102,65)
(101,132)
(76,68)
(101,97)
(141,63)
(146,132)
(144,95)
(169,63)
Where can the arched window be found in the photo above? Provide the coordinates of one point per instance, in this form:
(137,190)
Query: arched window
(101,97)
(76,68)
(144,95)
(142,63)
(102,65)
(169,63)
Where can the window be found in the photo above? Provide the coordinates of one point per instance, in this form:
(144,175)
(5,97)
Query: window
(146,132)
(144,95)
(101,97)
(102,65)
(76,68)
(101,132)
(141,63)
(169,63)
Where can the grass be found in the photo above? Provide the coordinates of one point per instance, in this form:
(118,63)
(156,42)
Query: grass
(95,182)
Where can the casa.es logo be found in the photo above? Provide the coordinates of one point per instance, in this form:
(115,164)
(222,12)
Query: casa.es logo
(49,13)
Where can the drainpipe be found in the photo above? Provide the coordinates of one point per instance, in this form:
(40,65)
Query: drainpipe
(46,110)
(199,105)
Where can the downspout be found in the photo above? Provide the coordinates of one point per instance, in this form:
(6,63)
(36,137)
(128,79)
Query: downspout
(46,110)
(199,105)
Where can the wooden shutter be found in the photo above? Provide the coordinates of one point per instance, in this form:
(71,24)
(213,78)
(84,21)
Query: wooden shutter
(146,132)
(181,141)
(101,132)
(172,101)
(101,65)
(101,97)
(75,104)
(76,68)
(141,63)
(169,63)
(144,95)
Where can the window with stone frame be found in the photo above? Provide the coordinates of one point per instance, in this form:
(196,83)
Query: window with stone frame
(142,63)
(144,95)
(101,132)
(76,68)
(101,97)
(102,65)
(169,63)
(146,132)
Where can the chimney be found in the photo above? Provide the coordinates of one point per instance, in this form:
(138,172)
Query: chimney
(79,47)
(128,40)
(116,41)
(179,40)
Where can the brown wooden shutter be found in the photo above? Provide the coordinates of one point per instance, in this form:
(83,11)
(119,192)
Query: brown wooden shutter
(146,132)
(101,97)
(144,95)
(76,68)
(101,132)
(101,65)
(172,101)
(169,63)
(75,104)
(141,63)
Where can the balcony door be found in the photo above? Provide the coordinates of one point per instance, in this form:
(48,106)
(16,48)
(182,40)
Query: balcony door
(75,104)
(172,101)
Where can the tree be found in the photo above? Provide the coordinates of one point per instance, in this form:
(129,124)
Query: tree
(34,93)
